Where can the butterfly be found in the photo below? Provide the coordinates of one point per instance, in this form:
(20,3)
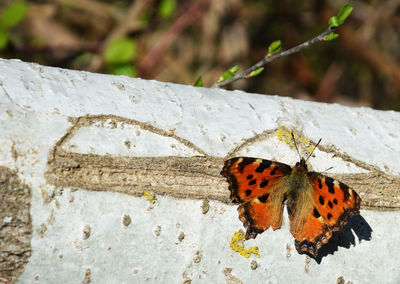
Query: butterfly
(317,205)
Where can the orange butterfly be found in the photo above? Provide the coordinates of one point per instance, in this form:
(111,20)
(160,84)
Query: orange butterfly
(317,205)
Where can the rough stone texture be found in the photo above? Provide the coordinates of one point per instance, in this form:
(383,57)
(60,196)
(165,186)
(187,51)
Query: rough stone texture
(15,225)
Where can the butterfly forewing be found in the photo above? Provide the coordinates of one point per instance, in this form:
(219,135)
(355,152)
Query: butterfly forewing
(250,177)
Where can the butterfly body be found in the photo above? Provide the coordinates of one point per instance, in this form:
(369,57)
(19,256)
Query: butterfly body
(317,205)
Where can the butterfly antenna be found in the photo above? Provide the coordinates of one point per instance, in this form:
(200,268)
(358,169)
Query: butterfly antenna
(295,145)
(314,149)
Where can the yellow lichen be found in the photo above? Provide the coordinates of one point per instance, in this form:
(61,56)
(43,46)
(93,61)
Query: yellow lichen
(237,244)
(150,197)
(285,135)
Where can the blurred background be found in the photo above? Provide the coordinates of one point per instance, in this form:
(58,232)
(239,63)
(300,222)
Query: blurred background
(177,41)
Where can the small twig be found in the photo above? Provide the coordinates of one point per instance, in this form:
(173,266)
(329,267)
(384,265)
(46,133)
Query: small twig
(267,59)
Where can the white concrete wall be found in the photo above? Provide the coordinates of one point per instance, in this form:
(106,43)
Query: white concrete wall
(83,148)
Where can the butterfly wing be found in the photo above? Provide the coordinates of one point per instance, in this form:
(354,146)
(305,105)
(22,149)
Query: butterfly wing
(313,221)
(257,185)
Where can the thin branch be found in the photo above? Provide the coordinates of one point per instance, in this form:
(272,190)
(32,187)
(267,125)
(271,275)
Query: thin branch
(268,59)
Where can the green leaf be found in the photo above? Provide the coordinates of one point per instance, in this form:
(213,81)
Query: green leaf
(341,17)
(274,47)
(334,22)
(344,13)
(122,50)
(13,14)
(228,74)
(3,38)
(256,72)
(331,36)
(199,82)
(124,69)
(166,8)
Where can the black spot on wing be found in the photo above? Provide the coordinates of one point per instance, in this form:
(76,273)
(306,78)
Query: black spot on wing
(330,204)
(316,213)
(321,200)
(335,201)
(329,216)
(273,171)
(248,192)
(319,183)
(263,165)
(264,198)
(264,183)
(253,181)
(249,176)
(329,183)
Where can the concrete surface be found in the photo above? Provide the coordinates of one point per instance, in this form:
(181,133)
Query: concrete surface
(82,149)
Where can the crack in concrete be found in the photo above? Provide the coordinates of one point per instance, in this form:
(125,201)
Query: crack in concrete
(10,98)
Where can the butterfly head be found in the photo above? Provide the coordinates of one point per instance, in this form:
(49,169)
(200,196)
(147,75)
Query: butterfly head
(301,165)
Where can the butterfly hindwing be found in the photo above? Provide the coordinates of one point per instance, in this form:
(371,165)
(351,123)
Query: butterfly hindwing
(257,185)
(259,214)
(314,221)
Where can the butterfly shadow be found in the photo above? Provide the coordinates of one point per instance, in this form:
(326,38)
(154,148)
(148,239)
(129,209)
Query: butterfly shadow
(345,237)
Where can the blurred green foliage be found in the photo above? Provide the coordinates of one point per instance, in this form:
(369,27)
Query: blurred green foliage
(11,16)
(208,38)
(166,8)
(118,56)
(122,50)
(199,82)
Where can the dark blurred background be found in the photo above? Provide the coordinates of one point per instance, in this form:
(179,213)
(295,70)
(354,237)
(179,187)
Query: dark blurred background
(177,41)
